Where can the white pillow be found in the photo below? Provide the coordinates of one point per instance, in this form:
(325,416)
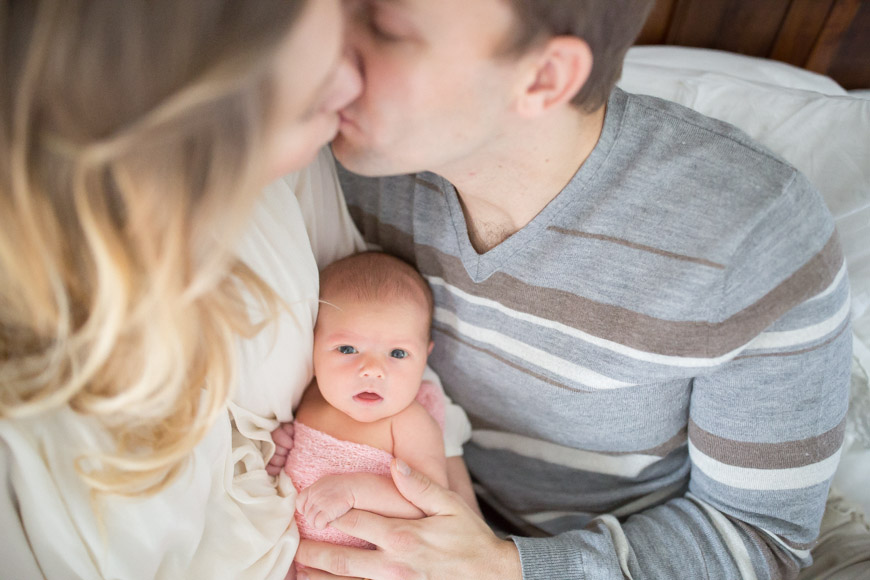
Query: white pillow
(748,68)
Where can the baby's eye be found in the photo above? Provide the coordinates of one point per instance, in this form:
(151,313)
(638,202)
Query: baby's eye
(346,349)
(398,353)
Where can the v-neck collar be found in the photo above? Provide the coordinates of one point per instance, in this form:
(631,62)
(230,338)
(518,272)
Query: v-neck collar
(482,266)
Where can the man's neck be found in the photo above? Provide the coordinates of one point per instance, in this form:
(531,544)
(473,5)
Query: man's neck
(503,190)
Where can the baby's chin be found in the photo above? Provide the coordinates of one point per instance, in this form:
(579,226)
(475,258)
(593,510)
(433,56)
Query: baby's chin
(367,411)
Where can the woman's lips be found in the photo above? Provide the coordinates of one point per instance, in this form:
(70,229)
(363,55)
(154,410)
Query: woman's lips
(368,397)
(345,122)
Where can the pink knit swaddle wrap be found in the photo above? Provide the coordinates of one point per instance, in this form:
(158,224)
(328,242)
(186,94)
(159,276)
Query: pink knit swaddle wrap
(316,454)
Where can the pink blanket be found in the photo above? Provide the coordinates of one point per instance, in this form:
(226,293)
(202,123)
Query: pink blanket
(316,454)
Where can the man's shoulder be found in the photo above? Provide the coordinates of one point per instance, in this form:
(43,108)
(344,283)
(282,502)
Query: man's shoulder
(676,157)
(687,131)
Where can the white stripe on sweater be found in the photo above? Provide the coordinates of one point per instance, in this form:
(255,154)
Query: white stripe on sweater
(529,354)
(765,479)
(798,336)
(629,465)
(633,507)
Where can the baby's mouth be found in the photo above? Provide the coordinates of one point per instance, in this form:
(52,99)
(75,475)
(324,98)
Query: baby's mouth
(368,397)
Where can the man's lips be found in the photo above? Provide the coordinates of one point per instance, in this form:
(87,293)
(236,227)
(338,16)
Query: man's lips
(368,397)
(345,120)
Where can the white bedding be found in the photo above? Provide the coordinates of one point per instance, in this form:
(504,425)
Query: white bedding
(822,130)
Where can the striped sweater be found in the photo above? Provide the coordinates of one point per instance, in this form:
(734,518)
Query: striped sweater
(656,367)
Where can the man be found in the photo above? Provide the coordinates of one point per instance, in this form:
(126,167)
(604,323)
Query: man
(644,313)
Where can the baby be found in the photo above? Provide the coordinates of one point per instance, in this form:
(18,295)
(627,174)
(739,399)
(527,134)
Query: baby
(366,403)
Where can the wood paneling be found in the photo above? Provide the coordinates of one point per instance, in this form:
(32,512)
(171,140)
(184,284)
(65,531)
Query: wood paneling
(800,30)
(655,31)
(827,36)
(747,27)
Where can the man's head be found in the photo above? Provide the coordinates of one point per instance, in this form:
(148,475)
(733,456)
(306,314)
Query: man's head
(448,82)
(371,340)
(609,27)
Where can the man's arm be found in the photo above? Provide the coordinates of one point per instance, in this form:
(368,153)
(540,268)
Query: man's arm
(764,429)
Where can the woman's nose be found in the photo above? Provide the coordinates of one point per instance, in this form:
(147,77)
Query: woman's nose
(346,84)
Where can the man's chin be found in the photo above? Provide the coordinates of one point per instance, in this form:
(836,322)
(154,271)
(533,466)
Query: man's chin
(363,161)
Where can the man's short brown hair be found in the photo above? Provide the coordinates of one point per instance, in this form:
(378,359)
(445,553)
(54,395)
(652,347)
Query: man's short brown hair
(609,27)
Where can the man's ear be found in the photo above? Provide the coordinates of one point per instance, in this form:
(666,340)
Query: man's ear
(559,70)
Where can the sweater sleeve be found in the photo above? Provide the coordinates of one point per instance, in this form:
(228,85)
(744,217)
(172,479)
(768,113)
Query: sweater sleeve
(765,428)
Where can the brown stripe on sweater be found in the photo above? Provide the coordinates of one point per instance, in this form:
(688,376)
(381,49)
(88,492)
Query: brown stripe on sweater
(668,446)
(662,450)
(842,329)
(428,185)
(636,246)
(390,238)
(639,331)
(787,455)
(697,339)
(513,365)
(365,222)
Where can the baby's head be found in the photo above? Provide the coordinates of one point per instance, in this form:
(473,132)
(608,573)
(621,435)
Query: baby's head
(372,338)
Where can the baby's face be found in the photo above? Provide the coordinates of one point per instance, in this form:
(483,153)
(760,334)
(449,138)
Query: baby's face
(369,357)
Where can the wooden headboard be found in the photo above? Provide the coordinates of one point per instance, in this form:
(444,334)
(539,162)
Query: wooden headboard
(831,37)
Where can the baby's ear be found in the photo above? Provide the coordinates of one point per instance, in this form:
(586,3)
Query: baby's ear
(431,346)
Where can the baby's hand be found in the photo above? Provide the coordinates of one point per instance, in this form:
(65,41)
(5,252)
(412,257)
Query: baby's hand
(326,499)
(283,438)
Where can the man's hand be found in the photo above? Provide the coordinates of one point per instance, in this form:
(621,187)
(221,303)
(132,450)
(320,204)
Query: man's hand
(450,542)
(283,438)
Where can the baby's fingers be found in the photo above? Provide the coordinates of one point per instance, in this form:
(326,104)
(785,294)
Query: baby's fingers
(283,436)
(277,462)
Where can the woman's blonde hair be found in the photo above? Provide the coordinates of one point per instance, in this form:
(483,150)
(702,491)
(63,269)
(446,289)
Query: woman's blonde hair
(130,153)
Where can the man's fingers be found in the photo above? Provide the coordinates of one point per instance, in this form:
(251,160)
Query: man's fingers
(336,560)
(418,489)
(372,528)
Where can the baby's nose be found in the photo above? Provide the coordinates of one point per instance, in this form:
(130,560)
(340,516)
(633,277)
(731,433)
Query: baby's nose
(371,368)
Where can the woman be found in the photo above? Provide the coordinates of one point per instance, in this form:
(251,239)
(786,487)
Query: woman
(136,393)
